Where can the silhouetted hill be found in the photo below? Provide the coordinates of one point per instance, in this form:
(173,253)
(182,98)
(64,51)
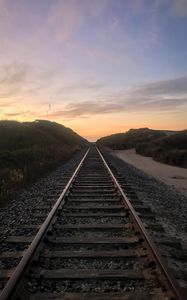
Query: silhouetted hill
(131,138)
(30,149)
(15,135)
(162,145)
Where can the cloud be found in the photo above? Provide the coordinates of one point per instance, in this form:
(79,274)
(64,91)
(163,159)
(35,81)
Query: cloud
(165,87)
(18,114)
(87,108)
(14,73)
(66,17)
(12,79)
(5,104)
(102,55)
(168,96)
(87,85)
(160,105)
(2,3)
(49,108)
(179,8)
(19,79)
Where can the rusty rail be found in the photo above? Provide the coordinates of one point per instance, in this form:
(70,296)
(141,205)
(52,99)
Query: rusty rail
(12,283)
(156,253)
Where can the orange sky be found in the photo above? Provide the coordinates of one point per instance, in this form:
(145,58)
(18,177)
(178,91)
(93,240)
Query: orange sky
(97,126)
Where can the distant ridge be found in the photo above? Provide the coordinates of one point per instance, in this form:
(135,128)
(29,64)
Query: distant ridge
(131,138)
(163,145)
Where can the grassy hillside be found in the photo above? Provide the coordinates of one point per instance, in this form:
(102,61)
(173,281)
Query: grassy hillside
(15,135)
(131,138)
(169,147)
(30,149)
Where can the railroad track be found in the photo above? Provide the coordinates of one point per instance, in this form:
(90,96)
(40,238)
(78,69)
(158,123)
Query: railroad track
(92,245)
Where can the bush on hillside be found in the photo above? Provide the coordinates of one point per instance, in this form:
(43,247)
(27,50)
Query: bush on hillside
(28,150)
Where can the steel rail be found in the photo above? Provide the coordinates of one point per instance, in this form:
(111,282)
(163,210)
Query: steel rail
(10,287)
(156,253)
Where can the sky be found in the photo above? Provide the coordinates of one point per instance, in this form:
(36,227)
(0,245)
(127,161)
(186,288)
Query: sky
(96,66)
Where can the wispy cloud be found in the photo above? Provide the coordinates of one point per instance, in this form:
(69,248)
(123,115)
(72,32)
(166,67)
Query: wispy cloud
(66,17)
(2,3)
(100,54)
(19,79)
(87,85)
(19,114)
(167,96)
(13,73)
(5,104)
(165,87)
(12,79)
(179,8)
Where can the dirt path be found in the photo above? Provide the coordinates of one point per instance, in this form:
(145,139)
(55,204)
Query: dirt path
(170,175)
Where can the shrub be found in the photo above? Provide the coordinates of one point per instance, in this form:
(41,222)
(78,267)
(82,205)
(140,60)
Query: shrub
(28,150)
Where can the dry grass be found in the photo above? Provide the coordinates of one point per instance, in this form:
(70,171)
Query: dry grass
(28,150)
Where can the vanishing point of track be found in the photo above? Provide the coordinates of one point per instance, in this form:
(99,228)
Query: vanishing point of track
(92,245)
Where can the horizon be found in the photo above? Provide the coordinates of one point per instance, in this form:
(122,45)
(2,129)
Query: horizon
(92,140)
(99,67)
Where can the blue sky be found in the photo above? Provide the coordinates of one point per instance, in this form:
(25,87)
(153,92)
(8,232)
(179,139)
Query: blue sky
(87,62)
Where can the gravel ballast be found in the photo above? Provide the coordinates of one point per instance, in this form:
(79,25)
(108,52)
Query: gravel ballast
(169,205)
(21,208)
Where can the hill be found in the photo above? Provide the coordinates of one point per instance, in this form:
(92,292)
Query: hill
(131,138)
(171,149)
(15,135)
(165,146)
(30,149)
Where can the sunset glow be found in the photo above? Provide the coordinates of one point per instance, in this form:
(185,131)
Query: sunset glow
(96,66)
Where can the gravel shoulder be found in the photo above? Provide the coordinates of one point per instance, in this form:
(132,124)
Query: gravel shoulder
(19,209)
(170,175)
(168,204)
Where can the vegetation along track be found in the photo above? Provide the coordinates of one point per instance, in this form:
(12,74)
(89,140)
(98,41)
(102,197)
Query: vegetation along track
(92,245)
